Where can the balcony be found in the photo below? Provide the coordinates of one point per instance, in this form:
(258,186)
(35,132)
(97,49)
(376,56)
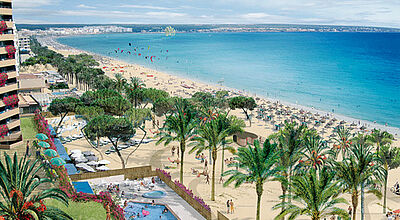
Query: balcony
(11,137)
(3,50)
(9,113)
(9,1)
(12,74)
(4,37)
(5,11)
(8,62)
(8,88)
(13,123)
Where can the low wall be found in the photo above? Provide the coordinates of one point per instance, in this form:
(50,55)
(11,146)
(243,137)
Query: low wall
(129,173)
(244,137)
(222,216)
(192,202)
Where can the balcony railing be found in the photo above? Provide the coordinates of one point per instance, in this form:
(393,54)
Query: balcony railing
(8,88)
(9,113)
(13,123)
(13,135)
(7,62)
(6,1)
(5,11)
(5,37)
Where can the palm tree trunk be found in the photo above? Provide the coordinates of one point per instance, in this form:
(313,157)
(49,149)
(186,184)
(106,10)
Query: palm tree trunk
(222,158)
(214,155)
(362,201)
(354,201)
(259,190)
(283,187)
(384,193)
(182,153)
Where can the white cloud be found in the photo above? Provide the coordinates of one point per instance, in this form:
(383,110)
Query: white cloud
(85,6)
(255,15)
(165,14)
(146,7)
(32,3)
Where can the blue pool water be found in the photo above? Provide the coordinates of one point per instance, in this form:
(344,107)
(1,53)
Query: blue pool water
(354,74)
(155,211)
(154,194)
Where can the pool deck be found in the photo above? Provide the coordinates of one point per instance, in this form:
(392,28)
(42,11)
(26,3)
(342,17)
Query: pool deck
(179,206)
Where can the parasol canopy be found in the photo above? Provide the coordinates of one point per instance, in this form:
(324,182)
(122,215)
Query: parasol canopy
(50,153)
(57,161)
(41,137)
(44,144)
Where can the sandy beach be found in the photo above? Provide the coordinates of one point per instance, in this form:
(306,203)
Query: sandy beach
(244,197)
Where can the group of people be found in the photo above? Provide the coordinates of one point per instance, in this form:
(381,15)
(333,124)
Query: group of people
(230,206)
(113,188)
(392,216)
(396,188)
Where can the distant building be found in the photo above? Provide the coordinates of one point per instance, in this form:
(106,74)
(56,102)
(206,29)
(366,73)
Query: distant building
(24,44)
(9,113)
(31,83)
(27,105)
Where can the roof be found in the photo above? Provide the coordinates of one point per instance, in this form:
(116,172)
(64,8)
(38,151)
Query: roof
(28,76)
(26,100)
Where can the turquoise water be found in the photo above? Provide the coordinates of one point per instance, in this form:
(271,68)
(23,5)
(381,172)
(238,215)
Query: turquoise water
(353,74)
(155,211)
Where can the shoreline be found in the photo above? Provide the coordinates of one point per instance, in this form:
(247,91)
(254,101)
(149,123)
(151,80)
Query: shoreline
(57,46)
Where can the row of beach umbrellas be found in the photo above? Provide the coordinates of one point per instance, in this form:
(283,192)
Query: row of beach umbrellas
(55,160)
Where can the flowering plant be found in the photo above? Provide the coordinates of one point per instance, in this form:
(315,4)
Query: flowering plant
(3,130)
(190,193)
(11,100)
(165,173)
(11,51)
(64,181)
(3,26)
(3,78)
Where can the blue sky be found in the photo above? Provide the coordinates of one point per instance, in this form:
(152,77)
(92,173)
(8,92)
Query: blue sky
(384,13)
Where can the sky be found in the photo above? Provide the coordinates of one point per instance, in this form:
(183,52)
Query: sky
(382,13)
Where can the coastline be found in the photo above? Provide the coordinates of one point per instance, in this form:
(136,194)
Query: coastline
(52,42)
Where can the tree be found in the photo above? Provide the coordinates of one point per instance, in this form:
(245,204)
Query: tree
(134,90)
(390,158)
(343,141)
(316,195)
(290,144)
(120,82)
(212,136)
(244,103)
(380,138)
(358,171)
(179,126)
(18,181)
(315,152)
(260,165)
(162,106)
(62,107)
(115,129)
(117,105)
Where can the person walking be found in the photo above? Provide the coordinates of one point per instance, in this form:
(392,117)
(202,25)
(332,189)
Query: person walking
(227,205)
(173,150)
(350,210)
(232,207)
(27,153)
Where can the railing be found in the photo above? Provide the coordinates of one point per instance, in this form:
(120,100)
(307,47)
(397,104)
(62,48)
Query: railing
(7,62)
(5,11)
(8,88)
(12,136)
(13,123)
(9,113)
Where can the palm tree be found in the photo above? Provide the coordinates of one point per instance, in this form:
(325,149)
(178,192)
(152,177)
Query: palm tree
(290,144)
(316,195)
(380,138)
(360,170)
(390,158)
(260,164)
(120,82)
(212,136)
(234,125)
(18,180)
(315,152)
(179,126)
(343,141)
(135,85)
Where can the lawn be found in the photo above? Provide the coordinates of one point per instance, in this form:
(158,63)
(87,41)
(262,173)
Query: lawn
(28,128)
(81,210)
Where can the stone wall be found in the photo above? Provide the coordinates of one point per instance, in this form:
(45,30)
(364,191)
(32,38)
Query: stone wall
(129,173)
(192,202)
(222,216)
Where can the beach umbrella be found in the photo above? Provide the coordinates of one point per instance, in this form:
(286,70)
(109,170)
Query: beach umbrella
(396,211)
(102,168)
(92,163)
(85,167)
(50,153)
(105,162)
(76,151)
(88,153)
(92,158)
(81,160)
(57,161)
(41,137)
(44,144)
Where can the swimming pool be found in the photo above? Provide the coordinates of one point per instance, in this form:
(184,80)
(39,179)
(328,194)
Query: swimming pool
(154,211)
(154,194)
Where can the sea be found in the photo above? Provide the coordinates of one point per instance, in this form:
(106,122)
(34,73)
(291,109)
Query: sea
(351,74)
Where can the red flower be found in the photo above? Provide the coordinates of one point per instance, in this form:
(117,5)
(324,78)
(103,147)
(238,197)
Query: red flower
(3,27)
